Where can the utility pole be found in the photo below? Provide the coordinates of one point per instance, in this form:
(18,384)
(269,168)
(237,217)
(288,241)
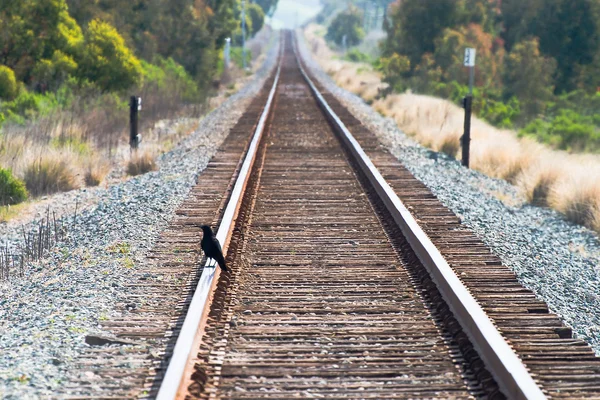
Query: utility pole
(244,34)
(469,61)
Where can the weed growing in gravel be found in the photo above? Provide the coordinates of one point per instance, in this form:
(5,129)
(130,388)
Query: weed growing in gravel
(128,263)
(120,248)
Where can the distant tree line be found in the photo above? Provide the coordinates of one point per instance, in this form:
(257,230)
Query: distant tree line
(535,60)
(106,43)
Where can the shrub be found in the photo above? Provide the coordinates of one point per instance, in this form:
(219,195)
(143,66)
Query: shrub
(49,175)
(140,163)
(8,83)
(356,55)
(12,190)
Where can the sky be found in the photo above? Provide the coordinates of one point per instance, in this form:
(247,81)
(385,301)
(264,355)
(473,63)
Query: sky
(292,12)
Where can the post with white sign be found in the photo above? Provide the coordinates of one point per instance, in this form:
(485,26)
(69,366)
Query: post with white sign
(227,52)
(468,105)
(135,105)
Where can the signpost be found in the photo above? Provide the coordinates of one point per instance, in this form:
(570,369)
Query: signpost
(135,106)
(469,62)
(227,52)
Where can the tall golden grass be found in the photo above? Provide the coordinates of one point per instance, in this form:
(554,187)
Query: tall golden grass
(565,182)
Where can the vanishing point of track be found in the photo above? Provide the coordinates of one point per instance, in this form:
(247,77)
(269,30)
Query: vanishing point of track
(349,278)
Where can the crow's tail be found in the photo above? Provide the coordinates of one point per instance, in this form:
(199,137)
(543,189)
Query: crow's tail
(221,261)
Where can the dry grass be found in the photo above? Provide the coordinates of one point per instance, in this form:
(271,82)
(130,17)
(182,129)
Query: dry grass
(96,171)
(50,173)
(141,162)
(568,183)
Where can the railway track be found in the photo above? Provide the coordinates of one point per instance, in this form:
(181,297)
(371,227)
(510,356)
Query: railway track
(349,278)
(338,292)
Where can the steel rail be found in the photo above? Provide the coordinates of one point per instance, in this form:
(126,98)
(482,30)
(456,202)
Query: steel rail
(195,318)
(503,363)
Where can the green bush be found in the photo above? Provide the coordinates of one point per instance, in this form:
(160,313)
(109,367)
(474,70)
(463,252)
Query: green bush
(12,190)
(500,113)
(568,130)
(356,55)
(25,104)
(8,83)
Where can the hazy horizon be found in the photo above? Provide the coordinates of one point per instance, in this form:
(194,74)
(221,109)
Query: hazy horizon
(290,13)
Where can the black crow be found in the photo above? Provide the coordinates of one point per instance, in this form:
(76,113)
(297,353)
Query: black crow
(211,247)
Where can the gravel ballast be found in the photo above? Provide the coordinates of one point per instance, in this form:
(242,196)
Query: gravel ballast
(554,258)
(46,315)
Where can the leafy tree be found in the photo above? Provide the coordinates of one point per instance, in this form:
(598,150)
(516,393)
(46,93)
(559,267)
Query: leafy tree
(8,83)
(415,24)
(33,30)
(528,76)
(106,60)
(257,16)
(568,31)
(268,6)
(50,74)
(347,23)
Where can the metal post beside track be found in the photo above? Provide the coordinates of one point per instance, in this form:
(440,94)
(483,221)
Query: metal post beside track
(469,61)
(133,122)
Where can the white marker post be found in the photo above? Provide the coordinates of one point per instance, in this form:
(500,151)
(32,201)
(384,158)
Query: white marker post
(469,62)
(227,52)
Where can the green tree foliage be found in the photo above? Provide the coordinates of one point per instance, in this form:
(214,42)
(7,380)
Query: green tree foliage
(257,16)
(416,24)
(50,74)
(268,6)
(347,23)
(32,30)
(106,60)
(568,31)
(528,76)
(8,83)
(191,32)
